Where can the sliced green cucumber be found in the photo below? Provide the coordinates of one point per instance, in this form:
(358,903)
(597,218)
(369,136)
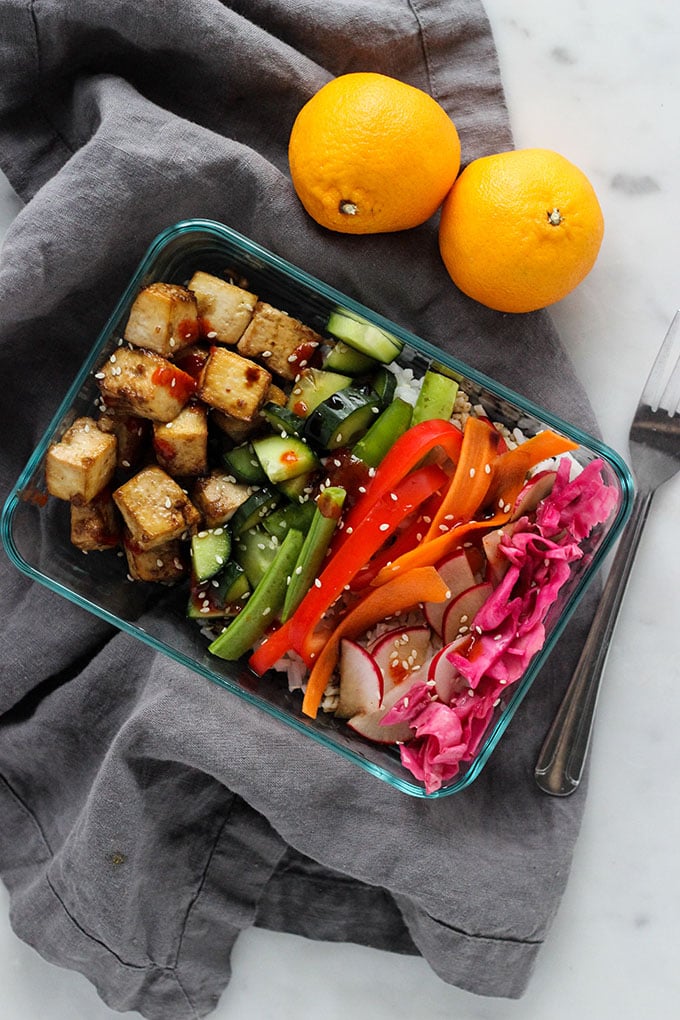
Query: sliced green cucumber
(291,515)
(254,551)
(282,419)
(436,398)
(298,490)
(258,505)
(284,457)
(233,585)
(343,418)
(348,360)
(384,432)
(264,604)
(242,463)
(384,384)
(364,336)
(312,386)
(210,550)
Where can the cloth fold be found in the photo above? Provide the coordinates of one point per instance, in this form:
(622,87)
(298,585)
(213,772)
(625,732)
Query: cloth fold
(147,816)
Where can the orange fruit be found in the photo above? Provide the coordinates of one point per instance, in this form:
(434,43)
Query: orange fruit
(371,154)
(519,230)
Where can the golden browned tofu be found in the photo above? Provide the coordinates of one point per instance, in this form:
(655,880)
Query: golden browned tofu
(224,309)
(284,343)
(163,318)
(238,430)
(233,384)
(95,526)
(155,508)
(165,564)
(143,384)
(181,445)
(218,496)
(82,463)
(130,432)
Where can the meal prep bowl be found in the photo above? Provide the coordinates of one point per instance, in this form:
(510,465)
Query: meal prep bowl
(35,529)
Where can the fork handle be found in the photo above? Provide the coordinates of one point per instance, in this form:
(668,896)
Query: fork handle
(560,763)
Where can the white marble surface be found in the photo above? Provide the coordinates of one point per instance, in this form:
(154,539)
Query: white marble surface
(598,80)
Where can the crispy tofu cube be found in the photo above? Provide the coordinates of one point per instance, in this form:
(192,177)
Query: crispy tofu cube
(233,384)
(181,445)
(163,318)
(218,496)
(224,309)
(82,463)
(165,564)
(95,526)
(238,430)
(156,510)
(143,384)
(284,343)
(131,433)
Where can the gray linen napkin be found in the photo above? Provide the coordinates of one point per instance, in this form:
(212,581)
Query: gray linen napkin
(147,816)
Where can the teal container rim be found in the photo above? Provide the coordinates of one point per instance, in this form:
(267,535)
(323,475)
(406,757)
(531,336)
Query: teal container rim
(213,228)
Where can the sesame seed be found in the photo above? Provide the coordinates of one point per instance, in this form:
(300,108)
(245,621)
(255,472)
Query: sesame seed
(211,335)
(159,562)
(317,582)
(100,375)
(168,503)
(472,472)
(384,527)
(267,611)
(487,469)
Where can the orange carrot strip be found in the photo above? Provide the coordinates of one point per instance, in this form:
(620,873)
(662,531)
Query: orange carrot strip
(472,476)
(401,593)
(509,470)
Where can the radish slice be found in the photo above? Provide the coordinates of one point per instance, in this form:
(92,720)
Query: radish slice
(447,680)
(400,653)
(461,611)
(368,724)
(496,563)
(537,488)
(361,682)
(457,574)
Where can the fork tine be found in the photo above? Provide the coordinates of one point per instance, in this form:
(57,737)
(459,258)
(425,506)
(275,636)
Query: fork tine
(666,363)
(670,398)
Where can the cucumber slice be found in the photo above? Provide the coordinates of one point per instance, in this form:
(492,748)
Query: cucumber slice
(263,606)
(298,490)
(348,360)
(343,418)
(284,457)
(292,515)
(210,550)
(436,398)
(242,463)
(384,432)
(364,336)
(312,386)
(250,513)
(282,419)
(254,551)
(233,585)
(384,384)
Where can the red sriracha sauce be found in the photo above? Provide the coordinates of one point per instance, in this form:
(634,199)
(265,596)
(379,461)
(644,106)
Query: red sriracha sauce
(175,380)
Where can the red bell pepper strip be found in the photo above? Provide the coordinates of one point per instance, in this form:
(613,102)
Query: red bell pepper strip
(408,451)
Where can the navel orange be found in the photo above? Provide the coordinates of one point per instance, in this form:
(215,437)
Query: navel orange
(370,154)
(519,230)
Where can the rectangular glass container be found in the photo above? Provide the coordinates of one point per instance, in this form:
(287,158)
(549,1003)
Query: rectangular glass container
(35,530)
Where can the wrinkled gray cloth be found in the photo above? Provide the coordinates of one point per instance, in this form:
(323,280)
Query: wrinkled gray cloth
(146,815)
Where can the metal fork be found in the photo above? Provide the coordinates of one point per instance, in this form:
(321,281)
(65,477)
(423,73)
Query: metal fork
(654,443)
